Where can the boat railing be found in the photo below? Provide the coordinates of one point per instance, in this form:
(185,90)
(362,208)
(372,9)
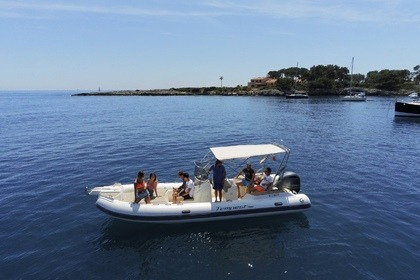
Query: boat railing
(201,170)
(278,175)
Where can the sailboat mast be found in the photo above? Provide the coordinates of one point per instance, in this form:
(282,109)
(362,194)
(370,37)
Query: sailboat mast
(351,75)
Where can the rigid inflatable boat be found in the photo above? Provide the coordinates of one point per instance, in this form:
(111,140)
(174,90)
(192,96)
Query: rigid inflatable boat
(281,197)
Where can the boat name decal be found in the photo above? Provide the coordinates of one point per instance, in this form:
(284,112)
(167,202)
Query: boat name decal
(230,208)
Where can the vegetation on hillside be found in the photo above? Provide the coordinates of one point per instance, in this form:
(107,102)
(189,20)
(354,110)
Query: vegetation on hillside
(322,80)
(334,78)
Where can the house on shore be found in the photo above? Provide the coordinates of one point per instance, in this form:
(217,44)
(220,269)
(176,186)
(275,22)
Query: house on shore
(262,82)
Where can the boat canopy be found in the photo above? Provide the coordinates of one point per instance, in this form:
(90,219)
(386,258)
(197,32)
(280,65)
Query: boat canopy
(246,151)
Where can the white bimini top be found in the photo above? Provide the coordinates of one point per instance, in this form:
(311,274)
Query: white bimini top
(246,151)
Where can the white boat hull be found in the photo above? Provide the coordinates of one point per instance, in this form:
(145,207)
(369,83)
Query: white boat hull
(297,96)
(165,212)
(354,98)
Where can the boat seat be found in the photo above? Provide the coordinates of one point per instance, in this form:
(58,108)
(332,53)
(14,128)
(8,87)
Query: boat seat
(168,196)
(269,190)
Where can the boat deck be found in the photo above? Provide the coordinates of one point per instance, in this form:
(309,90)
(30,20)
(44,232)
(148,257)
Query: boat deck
(165,191)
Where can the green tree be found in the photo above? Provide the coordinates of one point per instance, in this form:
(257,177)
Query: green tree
(333,77)
(285,84)
(388,79)
(321,83)
(327,77)
(292,73)
(358,80)
(416,74)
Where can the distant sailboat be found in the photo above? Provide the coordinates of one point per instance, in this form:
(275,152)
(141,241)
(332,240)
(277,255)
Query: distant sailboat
(353,96)
(297,94)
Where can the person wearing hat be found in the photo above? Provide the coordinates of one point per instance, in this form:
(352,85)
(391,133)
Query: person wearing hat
(248,179)
(219,176)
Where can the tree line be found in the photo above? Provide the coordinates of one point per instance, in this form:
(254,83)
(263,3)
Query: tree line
(335,78)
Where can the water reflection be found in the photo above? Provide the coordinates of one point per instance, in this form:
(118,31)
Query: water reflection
(118,234)
(408,129)
(407,120)
(200,248)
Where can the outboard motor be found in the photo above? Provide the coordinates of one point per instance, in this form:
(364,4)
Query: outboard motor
(290,181)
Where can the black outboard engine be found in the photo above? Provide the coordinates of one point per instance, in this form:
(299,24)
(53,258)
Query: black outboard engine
(290,181)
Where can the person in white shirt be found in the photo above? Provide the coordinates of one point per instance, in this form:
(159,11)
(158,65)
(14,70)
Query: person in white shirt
(264,184)
(188,192)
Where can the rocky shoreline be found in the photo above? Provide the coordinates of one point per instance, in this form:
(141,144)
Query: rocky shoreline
(174,92)
(234,92)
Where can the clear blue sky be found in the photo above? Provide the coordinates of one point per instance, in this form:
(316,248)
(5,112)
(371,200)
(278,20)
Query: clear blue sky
(155,44)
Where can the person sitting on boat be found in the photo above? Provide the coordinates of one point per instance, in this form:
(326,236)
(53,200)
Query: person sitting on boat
(188,192)
(140,189)
(151,185)
(181,176)
(248,179)
(177,191)
(262,184)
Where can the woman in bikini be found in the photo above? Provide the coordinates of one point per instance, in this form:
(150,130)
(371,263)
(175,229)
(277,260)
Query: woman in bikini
(151,185)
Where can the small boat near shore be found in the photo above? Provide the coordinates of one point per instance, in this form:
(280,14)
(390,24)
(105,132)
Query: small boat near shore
(407,108)
(413,95)
(360,96)
(297,96)
(353,95)
(280,198)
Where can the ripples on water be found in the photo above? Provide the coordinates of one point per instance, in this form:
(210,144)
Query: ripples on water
(357,163)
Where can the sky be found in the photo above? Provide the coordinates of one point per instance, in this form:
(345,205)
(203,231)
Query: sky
(160,44)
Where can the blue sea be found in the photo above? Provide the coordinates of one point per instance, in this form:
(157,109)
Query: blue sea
(358,163)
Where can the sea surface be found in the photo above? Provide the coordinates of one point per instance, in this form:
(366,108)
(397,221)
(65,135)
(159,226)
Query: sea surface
(359,165)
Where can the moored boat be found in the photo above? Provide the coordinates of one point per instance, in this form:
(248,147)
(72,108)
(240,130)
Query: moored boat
(355,97)
(281,197)
(297,96)
(413,95)
(407,108)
